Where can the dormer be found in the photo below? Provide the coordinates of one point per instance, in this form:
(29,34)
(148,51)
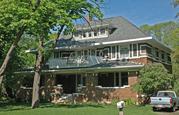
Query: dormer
(91,32)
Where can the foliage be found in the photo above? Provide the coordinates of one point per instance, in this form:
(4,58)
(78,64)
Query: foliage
(169,37)
(153,77)
(129,102)
(160,31)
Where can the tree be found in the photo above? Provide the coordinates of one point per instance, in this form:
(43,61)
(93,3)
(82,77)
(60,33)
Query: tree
(57,15)
(169,33)
(152,78)
(15,17)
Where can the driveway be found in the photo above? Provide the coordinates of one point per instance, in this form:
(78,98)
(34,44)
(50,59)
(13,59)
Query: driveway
(167,113)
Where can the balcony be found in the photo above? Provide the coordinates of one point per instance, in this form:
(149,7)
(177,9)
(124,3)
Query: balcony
(73,62)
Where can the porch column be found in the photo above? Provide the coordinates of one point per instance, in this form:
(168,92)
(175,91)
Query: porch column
(120,80)
(49,85)
(91,82)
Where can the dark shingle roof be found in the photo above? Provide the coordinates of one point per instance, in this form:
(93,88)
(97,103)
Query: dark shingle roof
(124,30)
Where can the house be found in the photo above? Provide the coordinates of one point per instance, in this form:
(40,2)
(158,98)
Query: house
(102,61)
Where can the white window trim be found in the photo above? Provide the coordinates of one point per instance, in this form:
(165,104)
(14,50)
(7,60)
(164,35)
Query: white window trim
(128,52)
(115,52)
(141,49)
(107,51)
(119,54)
(146,50)
(133,50)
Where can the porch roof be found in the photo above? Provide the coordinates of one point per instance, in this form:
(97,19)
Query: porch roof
(107,66)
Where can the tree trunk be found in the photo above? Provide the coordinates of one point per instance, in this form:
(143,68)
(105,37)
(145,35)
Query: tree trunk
(9,53)
(1,78)
(38,68)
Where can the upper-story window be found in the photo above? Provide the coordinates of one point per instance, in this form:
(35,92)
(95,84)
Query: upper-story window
(92,52)
(156,53)
(124,51)
(99,53)
(106,53)
(113,51)
(65,54)
(134,48)
(168,58)
(95,33)
(145,49)
(163,55)
(56,54)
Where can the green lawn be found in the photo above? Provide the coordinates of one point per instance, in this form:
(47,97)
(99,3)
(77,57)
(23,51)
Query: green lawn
(84,109)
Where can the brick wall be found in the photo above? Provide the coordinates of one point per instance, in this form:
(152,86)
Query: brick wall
(147,60)
(102,94)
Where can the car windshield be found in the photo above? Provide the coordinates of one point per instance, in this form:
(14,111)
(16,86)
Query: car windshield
(166,94)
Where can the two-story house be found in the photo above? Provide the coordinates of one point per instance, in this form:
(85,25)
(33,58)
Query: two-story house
(102,60)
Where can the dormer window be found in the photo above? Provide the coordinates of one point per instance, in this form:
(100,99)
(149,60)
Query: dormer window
(89,34)
(84,35)
(102,31)
(95,33)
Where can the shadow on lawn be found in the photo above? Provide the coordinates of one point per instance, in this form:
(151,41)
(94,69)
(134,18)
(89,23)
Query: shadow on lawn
(48,105)
(23,106)
(14,106)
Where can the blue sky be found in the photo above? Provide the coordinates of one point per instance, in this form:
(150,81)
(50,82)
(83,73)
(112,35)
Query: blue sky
(141,12)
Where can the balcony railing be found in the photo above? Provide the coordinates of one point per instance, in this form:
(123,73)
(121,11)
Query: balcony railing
(72,62)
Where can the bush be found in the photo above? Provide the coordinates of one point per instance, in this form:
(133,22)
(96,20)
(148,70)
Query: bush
(152,78)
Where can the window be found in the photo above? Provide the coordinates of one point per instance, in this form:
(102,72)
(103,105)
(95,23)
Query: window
(99,53)
(163,55)
(130,50)
(124,51)
(56,54)
(142,49)
(156,53)
(149,50)
(106,79)
(124,78)
(102,31)
(134,47)
(84,35)
(105,53)
(81,80)
(80,34)
(115,79)
(95,33)
(113,50)
(145,49)
(89,34)
(65,54)
(168,58)
(93,52)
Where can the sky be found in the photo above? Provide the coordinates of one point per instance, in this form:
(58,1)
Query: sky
(141,12)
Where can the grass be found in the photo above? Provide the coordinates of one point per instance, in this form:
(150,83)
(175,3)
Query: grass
(78,109)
